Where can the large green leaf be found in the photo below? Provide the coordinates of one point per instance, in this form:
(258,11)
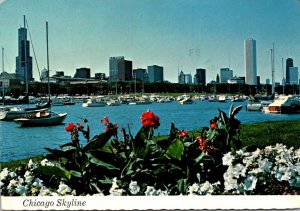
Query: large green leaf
(99,162)
(75,173)
(99,141)
(236,110)
(53,171)
(59,153)
(175,150)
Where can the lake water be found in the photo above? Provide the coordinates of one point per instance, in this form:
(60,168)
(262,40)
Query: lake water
(17,142)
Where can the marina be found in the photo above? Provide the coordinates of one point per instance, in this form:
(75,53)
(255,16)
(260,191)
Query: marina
(22,142)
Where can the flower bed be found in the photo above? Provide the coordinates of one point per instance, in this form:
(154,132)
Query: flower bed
(210,161)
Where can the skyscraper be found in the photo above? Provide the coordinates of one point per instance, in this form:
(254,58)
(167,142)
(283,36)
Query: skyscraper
(289,63)
(23,60)
(293,76)
(120,69)
(155,73)
(83,73)
(200,77)
(250,61)
(225,75)
(140,74)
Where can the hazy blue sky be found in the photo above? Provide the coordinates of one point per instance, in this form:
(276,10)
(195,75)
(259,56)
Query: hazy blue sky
(193,34)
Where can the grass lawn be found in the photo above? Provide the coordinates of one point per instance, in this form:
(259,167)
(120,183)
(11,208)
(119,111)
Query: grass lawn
(270,133)
(259,134)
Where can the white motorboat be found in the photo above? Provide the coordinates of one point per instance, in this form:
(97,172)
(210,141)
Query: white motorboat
(186,100)
(254,106)
(285,105)
(94,102)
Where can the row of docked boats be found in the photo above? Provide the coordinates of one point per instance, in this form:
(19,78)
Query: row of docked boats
(283,104)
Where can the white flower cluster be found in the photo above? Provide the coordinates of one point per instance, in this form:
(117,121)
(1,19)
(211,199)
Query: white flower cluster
(151,191)
(27,184)
(205,188)
(244,168)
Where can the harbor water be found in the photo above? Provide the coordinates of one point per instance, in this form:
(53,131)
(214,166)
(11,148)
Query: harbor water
(17,142)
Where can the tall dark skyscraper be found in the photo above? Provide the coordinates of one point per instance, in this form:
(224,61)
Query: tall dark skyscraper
(200,77)
(23,60)
(289,63)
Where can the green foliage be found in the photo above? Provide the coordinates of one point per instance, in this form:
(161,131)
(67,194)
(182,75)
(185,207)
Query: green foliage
(171,163)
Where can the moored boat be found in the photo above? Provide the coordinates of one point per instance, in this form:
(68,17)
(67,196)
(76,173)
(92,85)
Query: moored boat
(42,118)
(93,102)
(285,105)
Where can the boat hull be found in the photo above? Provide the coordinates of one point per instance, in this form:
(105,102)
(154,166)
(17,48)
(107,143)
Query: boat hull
(37,122)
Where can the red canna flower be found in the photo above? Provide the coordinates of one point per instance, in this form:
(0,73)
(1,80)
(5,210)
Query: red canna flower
(105,120)
(205,146)
(149,119)
(213,124)
(183,133)
(70,127)
(79,126)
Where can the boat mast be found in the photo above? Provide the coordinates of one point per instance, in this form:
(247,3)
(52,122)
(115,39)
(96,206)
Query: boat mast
(283,80)
(273,71)
(25,55)
(3,92)
(48,60)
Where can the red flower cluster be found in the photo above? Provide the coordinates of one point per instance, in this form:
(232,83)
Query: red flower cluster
(71,127)
(108,125)
(183,134)
(205,146)
(149,119)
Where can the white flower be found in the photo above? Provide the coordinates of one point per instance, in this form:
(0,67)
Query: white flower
(38,183)
(28,177)
(63,189)
(98,194)
(134,188)
(161,193)
(229,182)
(32,165)
(116,192)
(12,174)
(193,189)
(21,190)
(150,191)
(227,159)
(239,169)
(240,152)
(114,185)
(11,184)
(53,194)
(45,162)
(265,165)
(206,188)
(20,180)
(44,191)
(283,173)
(297,154)
(250,182)
(4,173)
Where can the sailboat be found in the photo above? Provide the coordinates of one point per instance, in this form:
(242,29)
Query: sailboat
(11,113)
(45,117)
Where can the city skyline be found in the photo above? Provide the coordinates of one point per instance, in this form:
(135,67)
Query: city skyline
(194,34)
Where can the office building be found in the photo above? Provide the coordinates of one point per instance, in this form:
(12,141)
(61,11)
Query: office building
(155,73)
(120,69)
(289,63)
(250,62)
(181,79)
(225,75)
(140,74)
(83,73)
(200,76)
(23,60)
(236,80)
(100,76)
(293,76)
(268,81)
(188,79)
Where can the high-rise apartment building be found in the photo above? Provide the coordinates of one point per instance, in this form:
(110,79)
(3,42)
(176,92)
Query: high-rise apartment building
(120,69)
(225,75)
(293,76)
(23,60)
(200,77)
(155,73)
(289,63)
(250,62)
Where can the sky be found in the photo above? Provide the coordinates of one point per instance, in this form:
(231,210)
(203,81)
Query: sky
(175,34)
